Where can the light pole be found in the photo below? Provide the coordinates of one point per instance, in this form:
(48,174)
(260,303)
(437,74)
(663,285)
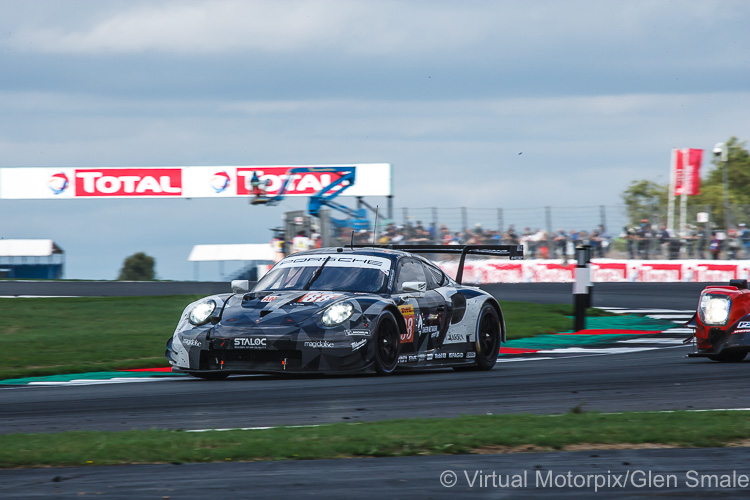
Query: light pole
(721,153)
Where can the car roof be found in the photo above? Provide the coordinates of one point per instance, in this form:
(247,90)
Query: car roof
(375,252)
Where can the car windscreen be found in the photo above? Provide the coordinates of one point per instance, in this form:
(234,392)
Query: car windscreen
(344,272)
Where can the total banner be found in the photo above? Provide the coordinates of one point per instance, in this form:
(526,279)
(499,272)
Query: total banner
(602,270)
(371,179)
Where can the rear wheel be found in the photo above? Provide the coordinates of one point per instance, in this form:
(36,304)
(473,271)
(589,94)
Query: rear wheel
(488,338)
(387,341)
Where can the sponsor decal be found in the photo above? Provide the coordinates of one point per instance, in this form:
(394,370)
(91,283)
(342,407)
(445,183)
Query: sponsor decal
(471,355)
(435,334)
(334,260)
(441,355)
(303,183)
(318,297)
(744,330)
(250,343)
(412,359)
(454,355)
(191,342)
(270,298)
(319,344)
(58,183)
(429,357)
(220,181)
(402,359)
(408,313)
(128,182)
(743,324)
(429,329)
(433,317)
(421,357)
(358,344)
(453,338)
(357,333)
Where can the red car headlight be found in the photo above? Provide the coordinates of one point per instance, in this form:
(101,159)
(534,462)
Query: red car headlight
(714,309)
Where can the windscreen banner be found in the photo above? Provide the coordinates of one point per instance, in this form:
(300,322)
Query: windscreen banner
(371,179)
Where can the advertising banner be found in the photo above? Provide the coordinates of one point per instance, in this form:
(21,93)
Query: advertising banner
(371,179)
(687,164)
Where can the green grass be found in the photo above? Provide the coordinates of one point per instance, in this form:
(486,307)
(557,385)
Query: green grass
(71,335)
(523,319)
(466,434)
(51,336)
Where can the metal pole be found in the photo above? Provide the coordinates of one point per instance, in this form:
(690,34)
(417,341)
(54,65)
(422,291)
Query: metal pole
(500,222)
(464,219)
(726,195)
(435,236)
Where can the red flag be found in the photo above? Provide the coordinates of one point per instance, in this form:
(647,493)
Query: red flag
(687,164)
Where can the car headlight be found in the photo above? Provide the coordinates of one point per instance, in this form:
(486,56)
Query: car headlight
(337,313)
(715,309)
(202,312)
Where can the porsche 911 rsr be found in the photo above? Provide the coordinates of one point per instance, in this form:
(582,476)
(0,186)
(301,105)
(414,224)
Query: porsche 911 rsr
(340,310)
(722,323)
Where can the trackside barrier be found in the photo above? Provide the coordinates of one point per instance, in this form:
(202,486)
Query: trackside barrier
(602,271)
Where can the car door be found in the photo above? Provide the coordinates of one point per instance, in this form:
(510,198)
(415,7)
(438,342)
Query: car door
(438,283)
(421,310)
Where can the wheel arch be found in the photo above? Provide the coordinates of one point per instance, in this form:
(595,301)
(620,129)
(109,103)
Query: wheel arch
(400,322)
(496,306)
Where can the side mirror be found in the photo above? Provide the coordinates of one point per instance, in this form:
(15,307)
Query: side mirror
(415,286)
(240,286)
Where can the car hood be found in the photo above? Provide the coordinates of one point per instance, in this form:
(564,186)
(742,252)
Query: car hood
(277,308)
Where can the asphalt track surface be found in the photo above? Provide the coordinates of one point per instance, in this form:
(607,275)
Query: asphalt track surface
(649,380)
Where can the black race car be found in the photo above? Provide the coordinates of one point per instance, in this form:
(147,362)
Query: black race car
(722,323)
(343,310)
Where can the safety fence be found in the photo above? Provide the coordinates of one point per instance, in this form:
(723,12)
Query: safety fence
(602,270)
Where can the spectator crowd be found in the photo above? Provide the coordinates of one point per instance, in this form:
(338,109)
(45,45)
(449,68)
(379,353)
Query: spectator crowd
(635,242)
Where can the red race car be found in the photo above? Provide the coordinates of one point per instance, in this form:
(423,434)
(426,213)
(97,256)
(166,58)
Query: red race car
(722,323)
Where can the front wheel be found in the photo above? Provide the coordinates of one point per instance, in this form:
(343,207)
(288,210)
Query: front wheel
(387,341)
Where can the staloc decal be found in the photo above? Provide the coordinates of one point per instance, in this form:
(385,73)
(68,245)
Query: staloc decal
(251,343)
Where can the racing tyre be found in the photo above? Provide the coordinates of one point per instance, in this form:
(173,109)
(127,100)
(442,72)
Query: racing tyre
(488,338)
(211,376)
(387,341)
(729,357)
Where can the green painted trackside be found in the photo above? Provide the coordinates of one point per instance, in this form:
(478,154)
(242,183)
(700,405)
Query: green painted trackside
(614,323)
(88,376)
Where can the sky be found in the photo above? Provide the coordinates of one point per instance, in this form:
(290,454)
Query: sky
(481,104)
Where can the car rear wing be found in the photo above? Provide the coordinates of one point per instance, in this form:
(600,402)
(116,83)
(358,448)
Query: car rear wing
(514,252)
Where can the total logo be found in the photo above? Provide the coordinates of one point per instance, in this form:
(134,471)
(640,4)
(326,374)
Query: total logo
(273,178)
(220,182)
(58,183)
(128,182)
